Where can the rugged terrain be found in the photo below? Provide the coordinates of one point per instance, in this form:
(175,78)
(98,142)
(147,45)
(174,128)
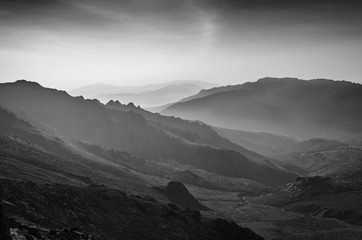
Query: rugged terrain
(76,119)
(98,212)
(321,197)
(168,177)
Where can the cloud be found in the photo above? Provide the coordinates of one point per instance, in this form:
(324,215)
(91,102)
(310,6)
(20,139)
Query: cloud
(177,22)
(285,4)
(213,39)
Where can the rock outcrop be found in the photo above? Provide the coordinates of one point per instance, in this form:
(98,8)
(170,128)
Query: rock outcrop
(178,194)
(4,228)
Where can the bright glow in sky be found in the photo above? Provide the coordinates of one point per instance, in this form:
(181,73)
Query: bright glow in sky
(67,44)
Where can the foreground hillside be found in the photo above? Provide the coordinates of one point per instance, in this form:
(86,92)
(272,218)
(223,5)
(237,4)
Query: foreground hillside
(305,209)
(286,106)
(97,212)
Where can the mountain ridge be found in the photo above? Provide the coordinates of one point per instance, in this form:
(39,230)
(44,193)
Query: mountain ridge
(285,106)
(85,120)
(150,95)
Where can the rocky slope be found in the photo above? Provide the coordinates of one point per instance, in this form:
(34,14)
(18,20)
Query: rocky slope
(178,194)
(96,212)
(325,157)
(321,197)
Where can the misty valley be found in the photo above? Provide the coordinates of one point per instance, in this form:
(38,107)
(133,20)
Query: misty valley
(278,158)
(180,120)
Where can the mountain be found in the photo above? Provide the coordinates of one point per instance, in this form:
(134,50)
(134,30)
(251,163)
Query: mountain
(158,109)
(210,91)
(200,133)
(204,92)
(30,154)
(167,94)
(282,106)
(201,93)
(72,168)
(75,119)
(90,190)
(311,157)
(192,131)
(147,95)
(94,90)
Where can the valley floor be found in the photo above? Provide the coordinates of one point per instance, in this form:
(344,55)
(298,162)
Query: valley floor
(275,223)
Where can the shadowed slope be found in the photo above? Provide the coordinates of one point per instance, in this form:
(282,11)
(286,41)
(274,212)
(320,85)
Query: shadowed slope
(177,193)
(107,214)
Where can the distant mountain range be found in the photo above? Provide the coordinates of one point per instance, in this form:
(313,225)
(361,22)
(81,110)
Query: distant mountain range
(146,96)
(152,98)
(284,106)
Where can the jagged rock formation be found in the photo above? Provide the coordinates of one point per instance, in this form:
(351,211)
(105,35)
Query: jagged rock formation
(178,194)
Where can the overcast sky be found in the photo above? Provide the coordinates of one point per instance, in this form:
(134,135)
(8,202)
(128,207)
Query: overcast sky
(69,43)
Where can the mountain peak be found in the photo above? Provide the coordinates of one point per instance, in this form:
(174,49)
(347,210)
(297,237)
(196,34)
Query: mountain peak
(119,105)
(279,79)
(27,83)
(271,81)
(291,80)
(112,102)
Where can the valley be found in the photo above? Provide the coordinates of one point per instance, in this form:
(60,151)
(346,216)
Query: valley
(180,120)
(101,168)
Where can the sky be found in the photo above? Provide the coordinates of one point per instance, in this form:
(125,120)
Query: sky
(66,44)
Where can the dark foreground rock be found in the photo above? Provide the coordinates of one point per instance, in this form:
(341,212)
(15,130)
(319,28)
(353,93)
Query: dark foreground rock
(178,194)
(4,228)
(24,231)
(54,211)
